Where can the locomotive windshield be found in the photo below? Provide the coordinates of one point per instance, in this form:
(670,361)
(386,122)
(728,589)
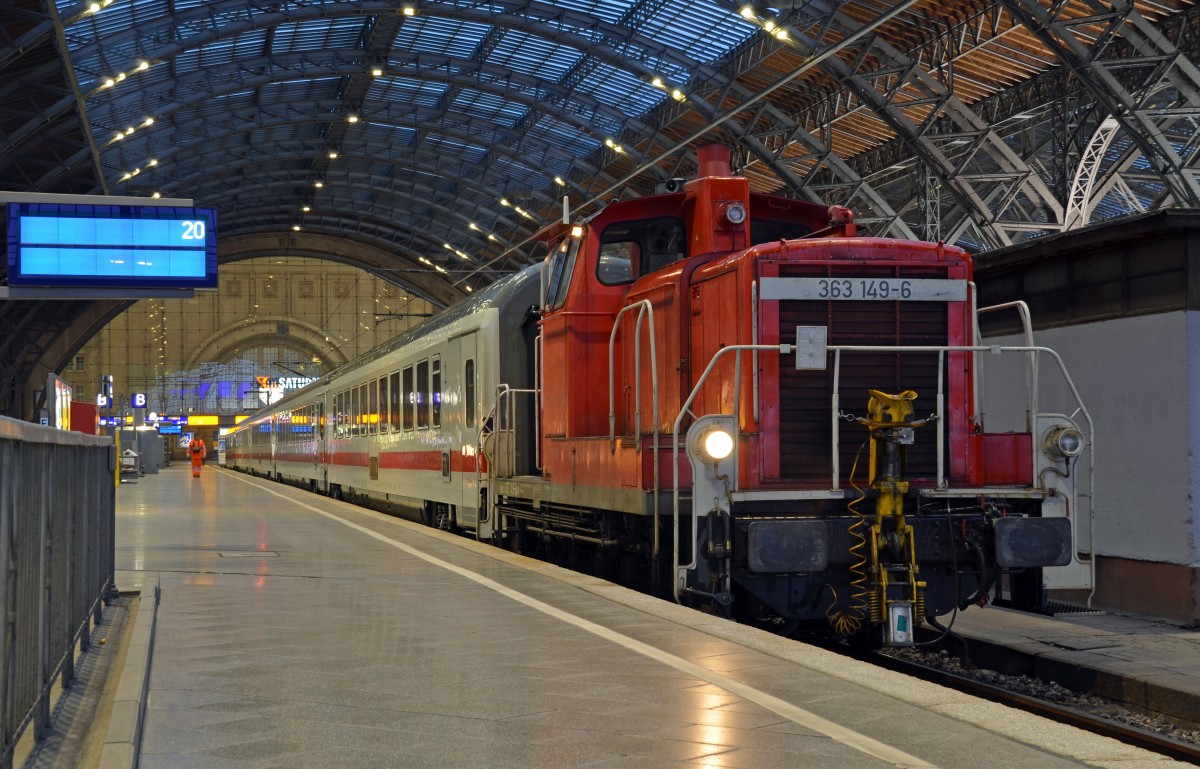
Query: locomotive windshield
(634,249)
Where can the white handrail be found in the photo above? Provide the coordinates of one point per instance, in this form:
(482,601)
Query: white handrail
(683,410)
(941,350)
(645,309)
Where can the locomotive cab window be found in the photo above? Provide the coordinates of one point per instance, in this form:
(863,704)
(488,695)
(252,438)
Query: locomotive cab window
(559,267)
(634,249)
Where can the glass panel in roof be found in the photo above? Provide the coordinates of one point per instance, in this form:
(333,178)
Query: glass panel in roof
(520,174)
(622,89)
(564,135)
(608,10)
(388,138)
(406,90)
(318,34)
(443,144)
(534,55)
(489,106)
(703,32)
(440,35)
(297,90)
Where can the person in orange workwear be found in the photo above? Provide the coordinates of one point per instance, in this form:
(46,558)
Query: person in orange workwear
(196,449)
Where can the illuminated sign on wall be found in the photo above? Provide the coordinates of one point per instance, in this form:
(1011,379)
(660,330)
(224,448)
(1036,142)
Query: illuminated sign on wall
(271,389)
(70,244)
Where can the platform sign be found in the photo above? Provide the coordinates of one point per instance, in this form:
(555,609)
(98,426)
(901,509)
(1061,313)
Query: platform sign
(138,400)
(94,245)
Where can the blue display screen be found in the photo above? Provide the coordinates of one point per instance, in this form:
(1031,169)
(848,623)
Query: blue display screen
(58,244)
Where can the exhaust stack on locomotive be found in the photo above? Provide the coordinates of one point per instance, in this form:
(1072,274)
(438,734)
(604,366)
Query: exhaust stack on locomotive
(722,396)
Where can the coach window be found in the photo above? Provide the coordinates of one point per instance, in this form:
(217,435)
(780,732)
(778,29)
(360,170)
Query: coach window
(319,420)
(394,401)
(423,394)
(372,415)
(410,398)
(560,267)
(354,413)
(362,409)
(435,391)
(383,405)
(469,391)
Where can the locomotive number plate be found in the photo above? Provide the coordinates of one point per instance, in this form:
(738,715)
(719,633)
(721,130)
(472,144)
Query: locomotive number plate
(865,289)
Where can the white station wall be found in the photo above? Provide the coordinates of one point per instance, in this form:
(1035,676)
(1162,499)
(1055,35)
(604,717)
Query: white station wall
(1139,379)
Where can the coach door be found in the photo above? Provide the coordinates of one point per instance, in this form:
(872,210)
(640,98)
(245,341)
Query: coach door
(462,376)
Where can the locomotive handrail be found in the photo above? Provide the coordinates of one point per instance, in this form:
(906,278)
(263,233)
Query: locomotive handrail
(1031,396)
(838,350)
(1080,408)
(684,409)
(645,309)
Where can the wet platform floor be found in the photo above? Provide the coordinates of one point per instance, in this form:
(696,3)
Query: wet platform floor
(296,631)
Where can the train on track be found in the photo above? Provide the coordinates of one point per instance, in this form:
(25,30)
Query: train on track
(721,396)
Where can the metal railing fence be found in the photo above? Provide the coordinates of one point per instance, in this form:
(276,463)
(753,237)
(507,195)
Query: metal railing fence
(57,519)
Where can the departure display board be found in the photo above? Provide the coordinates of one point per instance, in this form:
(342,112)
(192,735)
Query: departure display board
(60,244)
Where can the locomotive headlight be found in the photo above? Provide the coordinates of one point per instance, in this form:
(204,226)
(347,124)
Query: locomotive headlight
(1063,442)
(735,213)
(712,442)
(716,444)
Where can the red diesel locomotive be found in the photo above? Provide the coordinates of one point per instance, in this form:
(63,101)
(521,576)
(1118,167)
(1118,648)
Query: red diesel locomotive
(722,396)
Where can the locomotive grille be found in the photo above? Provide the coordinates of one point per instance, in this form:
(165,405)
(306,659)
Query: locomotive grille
(804,396)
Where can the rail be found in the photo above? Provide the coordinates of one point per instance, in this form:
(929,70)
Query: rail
(57,517)
(838,352)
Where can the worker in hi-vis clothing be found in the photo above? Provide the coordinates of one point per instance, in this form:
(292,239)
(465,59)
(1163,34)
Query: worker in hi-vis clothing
(196,449)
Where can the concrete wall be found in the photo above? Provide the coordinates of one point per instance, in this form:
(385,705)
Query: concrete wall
(1136,377)
(1139,377)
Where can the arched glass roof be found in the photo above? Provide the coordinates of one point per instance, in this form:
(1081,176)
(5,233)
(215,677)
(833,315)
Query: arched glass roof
(425,114)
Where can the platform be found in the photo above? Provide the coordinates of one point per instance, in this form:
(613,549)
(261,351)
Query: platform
(1143,662)
(297,631)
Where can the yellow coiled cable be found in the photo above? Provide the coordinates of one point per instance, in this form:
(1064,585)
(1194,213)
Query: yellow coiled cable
(849,622)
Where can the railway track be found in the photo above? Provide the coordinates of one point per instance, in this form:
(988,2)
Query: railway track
(1130,735)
